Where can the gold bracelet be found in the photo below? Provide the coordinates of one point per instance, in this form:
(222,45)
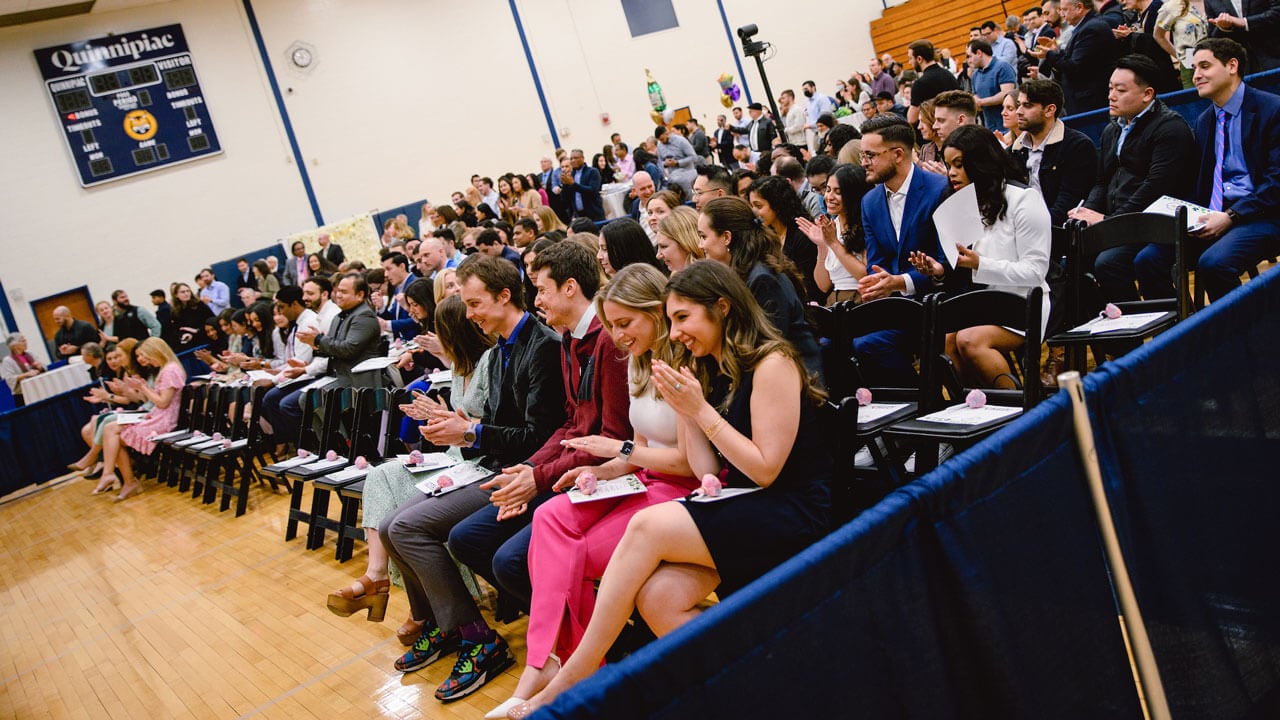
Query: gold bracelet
(714,430)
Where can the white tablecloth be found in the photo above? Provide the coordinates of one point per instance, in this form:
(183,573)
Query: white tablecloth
(55,382)
(614,197)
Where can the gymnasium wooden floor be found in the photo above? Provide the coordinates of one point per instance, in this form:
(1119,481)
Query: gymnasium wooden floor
(161,607)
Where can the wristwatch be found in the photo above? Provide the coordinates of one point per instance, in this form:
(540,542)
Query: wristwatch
(1235,216)
(469,435)
(627,448)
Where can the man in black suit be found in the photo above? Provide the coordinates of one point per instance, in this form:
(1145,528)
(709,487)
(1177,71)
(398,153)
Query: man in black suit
(722,141)
(759,131)
(71,334)
(582,184)
(244,278)
(1256,27)
(1083,67)
(330,250)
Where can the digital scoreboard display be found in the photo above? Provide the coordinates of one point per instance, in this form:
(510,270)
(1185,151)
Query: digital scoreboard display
(128,103)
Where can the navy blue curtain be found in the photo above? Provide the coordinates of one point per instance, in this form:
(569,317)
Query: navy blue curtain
(38,440)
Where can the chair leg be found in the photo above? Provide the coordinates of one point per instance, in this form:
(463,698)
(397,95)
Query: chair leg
(242,490)
(319,515)
(295,511)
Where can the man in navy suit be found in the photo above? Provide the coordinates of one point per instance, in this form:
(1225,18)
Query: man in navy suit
(1084,67)
(582,185)
(1255,25)
(897,220)
(1239,180)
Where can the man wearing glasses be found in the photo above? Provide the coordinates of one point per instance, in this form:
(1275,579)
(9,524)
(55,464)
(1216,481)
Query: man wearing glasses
(712,182)
(896,216)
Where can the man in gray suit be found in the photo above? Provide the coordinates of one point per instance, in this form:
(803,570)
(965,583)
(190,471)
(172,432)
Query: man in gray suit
(354,336)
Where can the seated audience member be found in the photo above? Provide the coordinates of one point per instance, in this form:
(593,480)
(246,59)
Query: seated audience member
(161,390)
(95,357)
(1061,162)
(248,296)
(391,485)
(71,333)
(816,172)
(660,205)
(215,340)
(353,337)
(929,151)
(742,156)
(895,226)
(420,300)
(524,232)
(268,283)
(115,395)
(842,139)
(548,220)
(839,239)
(755,420)
(731,236)
(951,109)
(494,541)
(318,265)
(1239,180)
(775,202)
(489,242)
(281,408)
(1012,254)
(394,316)
(1082,64)
(623,242)
(525,406)
(445,284)
(187,318)
(1148,151)
(1008,121)
(527,198)
(678,241)
(290,357)
(642,188)
(18,366)
(712,182)
(1253,25)
(571,543)
(793,171)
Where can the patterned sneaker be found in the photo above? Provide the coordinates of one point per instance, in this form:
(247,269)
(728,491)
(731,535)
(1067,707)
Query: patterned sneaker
(477,664)
(431,644)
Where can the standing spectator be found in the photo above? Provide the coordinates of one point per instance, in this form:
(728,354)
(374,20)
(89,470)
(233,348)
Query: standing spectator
(1002,48)
(296,271)
(582,185)
(187,319)
(329,250)
(71,334)
(881,81)
(993,79)
(698,139)
(1148,151)
(932,79)
(244,276)
(1180,25)
(722,141)
(793,118)
(759,131)
(819,104)
(1255,24)
(162,309)
(213,292)
(1082,67)
(131,320)
(677,157)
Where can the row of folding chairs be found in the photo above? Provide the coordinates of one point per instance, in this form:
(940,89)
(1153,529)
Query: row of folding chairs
(216,445)
(348,423)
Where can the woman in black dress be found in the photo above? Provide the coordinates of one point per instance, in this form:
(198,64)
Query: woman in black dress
(674,554)
(733,235)
(186,319)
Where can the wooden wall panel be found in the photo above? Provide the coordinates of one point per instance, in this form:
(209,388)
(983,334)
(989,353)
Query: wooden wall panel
(945,22)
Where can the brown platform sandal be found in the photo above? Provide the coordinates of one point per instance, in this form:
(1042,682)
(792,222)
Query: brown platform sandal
(408,633)
(373,597)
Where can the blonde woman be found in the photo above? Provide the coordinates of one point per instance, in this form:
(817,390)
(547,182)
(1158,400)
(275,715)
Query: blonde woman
(659,206)
(162,392)
(446,284)
(678,238)
(548,220)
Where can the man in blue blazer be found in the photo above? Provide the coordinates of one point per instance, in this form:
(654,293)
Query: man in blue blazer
(1239,181)
(581,183)
(897,220)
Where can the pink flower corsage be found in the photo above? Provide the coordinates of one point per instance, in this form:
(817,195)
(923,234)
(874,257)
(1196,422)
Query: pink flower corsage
(975,399)
(711,486)
(863,395)
(587,483)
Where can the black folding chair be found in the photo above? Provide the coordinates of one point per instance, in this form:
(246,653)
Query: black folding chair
(1090,240)
(971,309)
(231,467)
(334,427)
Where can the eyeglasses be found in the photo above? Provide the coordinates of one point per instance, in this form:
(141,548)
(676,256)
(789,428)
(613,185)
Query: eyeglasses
(869,156)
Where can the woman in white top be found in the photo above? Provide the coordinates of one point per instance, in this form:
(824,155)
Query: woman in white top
(842,248)
(572,543)
(1012,253)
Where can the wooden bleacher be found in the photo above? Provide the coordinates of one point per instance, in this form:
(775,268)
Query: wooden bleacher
(945,22)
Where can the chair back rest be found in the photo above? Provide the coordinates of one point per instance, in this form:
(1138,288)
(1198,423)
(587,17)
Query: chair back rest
(889,313)
(254,432)
(1128,229)
(985,307)
(368,428)
(186,401)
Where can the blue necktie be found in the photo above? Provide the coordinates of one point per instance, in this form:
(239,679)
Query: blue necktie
(1219,158)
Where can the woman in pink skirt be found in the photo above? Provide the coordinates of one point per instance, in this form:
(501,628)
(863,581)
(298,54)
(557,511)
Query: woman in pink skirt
(572,543)
(162,391)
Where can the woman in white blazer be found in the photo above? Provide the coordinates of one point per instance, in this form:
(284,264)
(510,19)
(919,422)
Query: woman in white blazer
(1012,254)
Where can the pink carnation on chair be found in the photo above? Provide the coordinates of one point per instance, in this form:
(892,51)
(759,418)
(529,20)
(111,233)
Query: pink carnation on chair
(587,483)
(863,395)
(444,481)
(361,463)
(415,458)
(975,399)
(1111,312)
(216,436)
(711,486)
(303,452)
(331,455)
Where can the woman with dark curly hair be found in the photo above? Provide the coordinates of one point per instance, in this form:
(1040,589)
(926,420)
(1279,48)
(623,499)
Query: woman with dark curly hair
(776,204)
(842,247)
